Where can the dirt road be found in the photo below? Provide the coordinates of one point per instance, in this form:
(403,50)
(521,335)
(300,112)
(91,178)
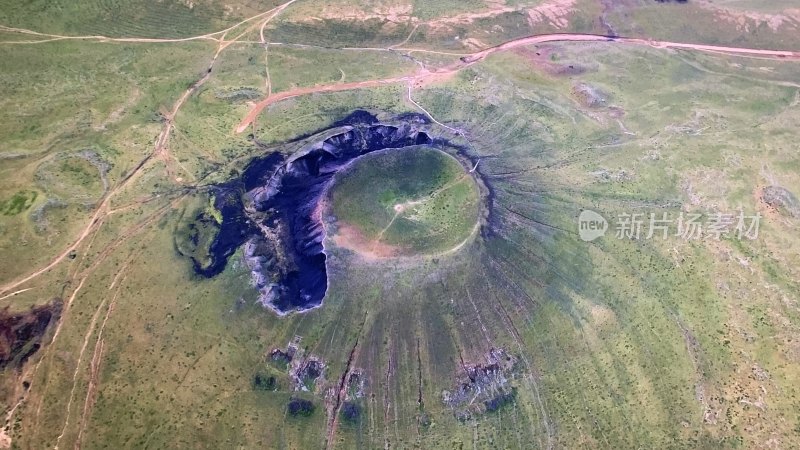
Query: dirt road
(423,75)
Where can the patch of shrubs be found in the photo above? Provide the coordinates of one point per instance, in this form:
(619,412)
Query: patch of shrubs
(499,401)
(264,383)
(351,412)
(300,407)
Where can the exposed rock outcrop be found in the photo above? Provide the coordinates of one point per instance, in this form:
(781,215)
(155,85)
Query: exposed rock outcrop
(485,388)
(782,200)
(21,334)
(273,209)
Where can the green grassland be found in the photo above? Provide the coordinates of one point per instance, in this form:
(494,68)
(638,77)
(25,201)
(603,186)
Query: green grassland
(620,343)
(417,199)
(70,141)
(337,33)
(167,19)
(776,6)
(707,26)
(429,10)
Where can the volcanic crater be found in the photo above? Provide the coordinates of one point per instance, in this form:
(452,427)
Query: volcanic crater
(281,208)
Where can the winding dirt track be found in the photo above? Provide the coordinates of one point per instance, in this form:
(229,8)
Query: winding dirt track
(422,75)
(160,148)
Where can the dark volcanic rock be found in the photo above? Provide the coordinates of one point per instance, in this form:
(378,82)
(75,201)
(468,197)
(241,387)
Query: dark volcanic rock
(21,334)
(291,197)
(280,356)
(311,370)
(355,384)
(233,231)
(488,383)
(781,199)
(273,207)
(260,170)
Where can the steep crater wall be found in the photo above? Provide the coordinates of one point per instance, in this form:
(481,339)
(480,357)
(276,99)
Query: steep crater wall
(274,210)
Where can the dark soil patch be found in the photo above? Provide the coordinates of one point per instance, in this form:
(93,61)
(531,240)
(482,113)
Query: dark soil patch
(22,334)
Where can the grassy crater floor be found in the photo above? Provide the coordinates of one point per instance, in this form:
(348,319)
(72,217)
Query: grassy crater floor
(404,202)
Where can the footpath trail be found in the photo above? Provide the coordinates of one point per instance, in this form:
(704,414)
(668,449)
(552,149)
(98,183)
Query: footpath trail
(422,75)
(160,150)
(218,36)
(160,146)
